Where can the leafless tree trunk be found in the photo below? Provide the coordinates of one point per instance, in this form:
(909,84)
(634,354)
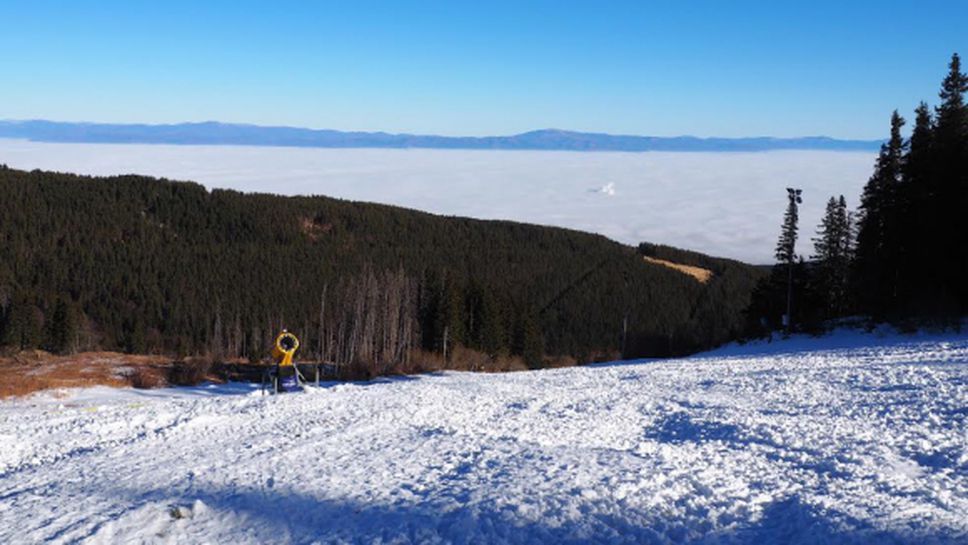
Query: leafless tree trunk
(321,354)
(216,344)
(369,319)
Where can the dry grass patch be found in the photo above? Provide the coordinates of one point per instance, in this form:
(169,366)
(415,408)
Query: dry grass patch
(700,274)
(35,370)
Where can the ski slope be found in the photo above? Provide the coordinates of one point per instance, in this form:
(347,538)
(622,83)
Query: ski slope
(849,439)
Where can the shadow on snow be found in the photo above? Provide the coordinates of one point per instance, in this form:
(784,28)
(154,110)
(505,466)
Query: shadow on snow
(275,515)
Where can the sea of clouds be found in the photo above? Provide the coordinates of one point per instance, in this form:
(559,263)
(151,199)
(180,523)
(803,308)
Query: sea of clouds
(725,204)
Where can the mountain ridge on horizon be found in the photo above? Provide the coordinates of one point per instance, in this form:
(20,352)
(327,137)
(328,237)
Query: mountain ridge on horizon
(218,133)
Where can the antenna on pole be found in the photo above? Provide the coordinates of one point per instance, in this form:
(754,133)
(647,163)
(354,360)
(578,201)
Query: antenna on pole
(795,200)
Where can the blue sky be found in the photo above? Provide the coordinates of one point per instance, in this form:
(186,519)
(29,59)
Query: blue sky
(718,68)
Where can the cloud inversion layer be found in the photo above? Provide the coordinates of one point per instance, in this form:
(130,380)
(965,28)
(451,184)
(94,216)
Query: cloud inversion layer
(726,204)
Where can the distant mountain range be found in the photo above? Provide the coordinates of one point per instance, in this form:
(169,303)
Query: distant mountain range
(214,133)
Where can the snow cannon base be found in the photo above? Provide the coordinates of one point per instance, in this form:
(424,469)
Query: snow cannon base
(285,379)
(289,382)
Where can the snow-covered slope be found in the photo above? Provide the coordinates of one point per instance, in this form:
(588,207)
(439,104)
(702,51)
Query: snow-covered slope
(852,439)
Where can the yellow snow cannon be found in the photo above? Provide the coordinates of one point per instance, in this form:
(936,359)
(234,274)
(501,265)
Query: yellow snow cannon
(284,375)
(284,349)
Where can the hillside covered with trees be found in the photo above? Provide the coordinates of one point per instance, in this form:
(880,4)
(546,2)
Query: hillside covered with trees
(155,266)
(903,255)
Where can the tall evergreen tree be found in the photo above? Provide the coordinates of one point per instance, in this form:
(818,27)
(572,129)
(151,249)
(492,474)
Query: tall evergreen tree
(832,251)
(951,172)
(443,314)
(62,329)
(528,342)
(918,199)
(24,325)
(878,240)
(133,340)
(489,323)
(951,113)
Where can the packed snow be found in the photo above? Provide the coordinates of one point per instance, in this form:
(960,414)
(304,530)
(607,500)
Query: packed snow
(724,204)
(855,438)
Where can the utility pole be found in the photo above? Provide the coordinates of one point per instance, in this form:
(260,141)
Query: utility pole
(793,211)
(788,317)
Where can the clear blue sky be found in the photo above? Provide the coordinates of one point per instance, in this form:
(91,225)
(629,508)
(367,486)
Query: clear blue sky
(717,68)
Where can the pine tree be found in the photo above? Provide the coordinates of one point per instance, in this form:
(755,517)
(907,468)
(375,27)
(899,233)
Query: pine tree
(878,263)
(528,342)
(917,198)
(62,329)
(832,249)
(951,164)
(849,224)
(443,314)
(917,165)
(951,112)
(489,321)
(24,325)
(133,341)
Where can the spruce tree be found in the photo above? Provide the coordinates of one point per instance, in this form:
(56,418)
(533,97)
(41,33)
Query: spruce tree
(951,163)
(133,341)
(832,249)
(917,198)
(951,113)
(528,342)
(877,270)
(62,329)
(489,322)
(444,312)
(24,325)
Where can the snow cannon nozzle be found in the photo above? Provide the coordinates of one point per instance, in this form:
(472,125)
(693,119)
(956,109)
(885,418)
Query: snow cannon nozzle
(284,348)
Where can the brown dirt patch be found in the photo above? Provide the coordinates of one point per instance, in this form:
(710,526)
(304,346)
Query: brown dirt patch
(700,274)
(314,229)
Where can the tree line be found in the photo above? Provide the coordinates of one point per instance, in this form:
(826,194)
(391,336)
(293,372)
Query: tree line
(146,265)
(902,256)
